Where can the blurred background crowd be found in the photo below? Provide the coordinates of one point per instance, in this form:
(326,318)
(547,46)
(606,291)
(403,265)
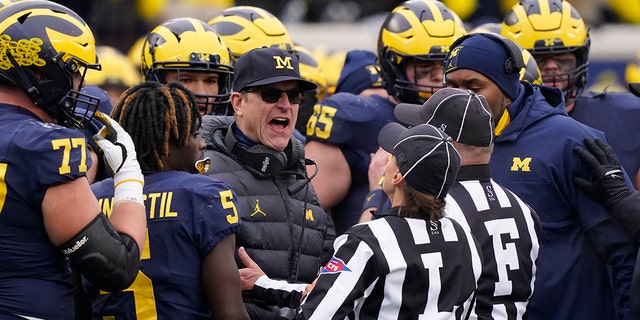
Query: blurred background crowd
(331,27)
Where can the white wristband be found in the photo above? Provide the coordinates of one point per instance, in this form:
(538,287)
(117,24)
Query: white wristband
(128,187)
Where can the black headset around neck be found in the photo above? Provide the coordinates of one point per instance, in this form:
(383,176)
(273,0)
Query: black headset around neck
(265,161)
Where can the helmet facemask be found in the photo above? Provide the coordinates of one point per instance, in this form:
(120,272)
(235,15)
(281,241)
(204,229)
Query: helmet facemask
(218,104)
(576,76)
(74,96)
(187,44)
(412,91)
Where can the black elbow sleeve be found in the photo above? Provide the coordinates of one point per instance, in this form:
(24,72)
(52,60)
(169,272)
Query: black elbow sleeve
(108,259)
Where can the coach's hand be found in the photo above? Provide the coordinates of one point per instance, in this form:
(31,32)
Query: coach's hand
(608,185)
(251,273)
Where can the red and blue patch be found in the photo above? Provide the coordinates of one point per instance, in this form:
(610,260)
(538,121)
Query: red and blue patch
(334,265)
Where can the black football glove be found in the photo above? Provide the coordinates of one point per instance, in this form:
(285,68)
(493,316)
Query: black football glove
(608,185)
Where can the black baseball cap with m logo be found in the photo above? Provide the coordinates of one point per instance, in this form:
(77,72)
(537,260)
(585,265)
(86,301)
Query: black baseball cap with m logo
(262,66)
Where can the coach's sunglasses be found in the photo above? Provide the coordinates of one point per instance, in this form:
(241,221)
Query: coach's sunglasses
(272,95)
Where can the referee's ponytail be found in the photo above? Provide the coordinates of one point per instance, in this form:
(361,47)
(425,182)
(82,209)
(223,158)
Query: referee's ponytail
(420,205)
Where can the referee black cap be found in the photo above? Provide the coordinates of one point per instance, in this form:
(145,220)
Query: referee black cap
(425,156)
(462,114)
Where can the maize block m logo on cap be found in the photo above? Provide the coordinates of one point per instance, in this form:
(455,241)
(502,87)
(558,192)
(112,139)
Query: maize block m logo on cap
(283,62)
(452,60)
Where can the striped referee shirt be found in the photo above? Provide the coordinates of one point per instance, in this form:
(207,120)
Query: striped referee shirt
(397,268)
(507,230)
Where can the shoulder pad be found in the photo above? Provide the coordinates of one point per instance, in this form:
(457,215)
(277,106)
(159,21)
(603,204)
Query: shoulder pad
(344,117)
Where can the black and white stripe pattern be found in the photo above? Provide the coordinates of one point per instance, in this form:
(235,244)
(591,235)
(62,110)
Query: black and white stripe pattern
(398,268)
(506,229)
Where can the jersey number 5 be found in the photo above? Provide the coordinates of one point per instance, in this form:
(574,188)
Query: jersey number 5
(226,197)
(142,289)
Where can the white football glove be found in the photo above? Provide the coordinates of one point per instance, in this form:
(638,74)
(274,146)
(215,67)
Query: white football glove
(119,154)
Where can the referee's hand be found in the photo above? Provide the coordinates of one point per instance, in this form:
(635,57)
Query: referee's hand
(250,273)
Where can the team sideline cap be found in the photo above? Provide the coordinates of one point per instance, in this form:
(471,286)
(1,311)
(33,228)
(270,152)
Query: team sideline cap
(461,114)
(262,66)
(425,156)
(635,88)
(485,55)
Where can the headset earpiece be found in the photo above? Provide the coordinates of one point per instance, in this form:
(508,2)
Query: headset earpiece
(295,154)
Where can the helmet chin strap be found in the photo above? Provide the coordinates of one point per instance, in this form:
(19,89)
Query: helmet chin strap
(26,82)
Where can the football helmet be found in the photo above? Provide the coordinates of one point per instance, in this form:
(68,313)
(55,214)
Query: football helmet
(135,53)
(45,47)
(309,70)
(117,70)
(189,44)
(530,72)
(421,30)
(243,28)
(551,27)
(331,64)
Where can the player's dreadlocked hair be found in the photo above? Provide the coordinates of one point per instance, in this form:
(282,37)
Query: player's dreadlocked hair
(156,115)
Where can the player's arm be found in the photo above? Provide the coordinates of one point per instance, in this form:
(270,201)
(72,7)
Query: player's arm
(92,172)
(101,250)
(609,186)
(105,251)
(221,281)
(375,175)
(334,175)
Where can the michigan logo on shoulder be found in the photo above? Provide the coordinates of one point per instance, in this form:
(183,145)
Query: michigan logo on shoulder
(334,265)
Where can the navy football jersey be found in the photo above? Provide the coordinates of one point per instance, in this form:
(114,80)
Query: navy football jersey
(187,215)
(352,123)
(34,274)
(617,114)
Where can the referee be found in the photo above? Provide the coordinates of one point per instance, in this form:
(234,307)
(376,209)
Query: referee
(411,262)
(506,228)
